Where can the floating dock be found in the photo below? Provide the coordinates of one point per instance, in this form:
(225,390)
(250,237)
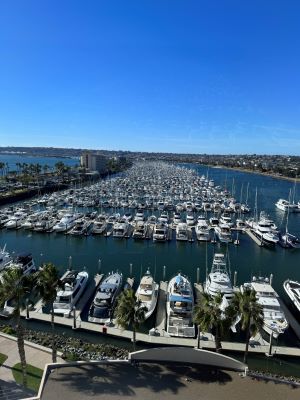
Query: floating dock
(160,323)
(253,237)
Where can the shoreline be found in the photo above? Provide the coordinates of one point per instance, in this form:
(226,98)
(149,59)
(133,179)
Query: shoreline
(249,171)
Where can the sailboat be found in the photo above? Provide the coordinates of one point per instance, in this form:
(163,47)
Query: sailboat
(287,240)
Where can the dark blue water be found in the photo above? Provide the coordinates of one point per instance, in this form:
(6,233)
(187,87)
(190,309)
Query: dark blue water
(12,159)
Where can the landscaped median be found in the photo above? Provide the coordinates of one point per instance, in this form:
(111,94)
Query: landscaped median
(34,376)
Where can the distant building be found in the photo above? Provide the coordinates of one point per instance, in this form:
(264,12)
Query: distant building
(94,162)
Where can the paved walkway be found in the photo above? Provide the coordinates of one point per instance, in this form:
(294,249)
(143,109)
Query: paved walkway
(9,390)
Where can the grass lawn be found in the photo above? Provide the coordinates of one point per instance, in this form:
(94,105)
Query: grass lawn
(34,376)
(3,357)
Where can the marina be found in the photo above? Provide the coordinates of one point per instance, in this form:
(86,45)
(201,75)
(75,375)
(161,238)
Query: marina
(111,231)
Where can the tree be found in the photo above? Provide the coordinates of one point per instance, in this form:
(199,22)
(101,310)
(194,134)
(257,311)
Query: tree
(245,306)
(14,286)
(47,283)
(60,167)
(209,316)
(130,313)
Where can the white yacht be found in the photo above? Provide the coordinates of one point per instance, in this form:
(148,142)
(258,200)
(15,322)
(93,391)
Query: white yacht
(202,230)
(139,216)
(182,231)
(285,205)
(105,299)
(31,220)
(160,232)
(180,303)
(81,227)
(223,233)
(176,218)
(292,289)
(45,223)
(74,283)
(16,220)
(140,230)
(67,222)
(99,225)
(274,318)
(163,218)
(121,229)
(226,220)
(190,220)
(218,281)
(147,293)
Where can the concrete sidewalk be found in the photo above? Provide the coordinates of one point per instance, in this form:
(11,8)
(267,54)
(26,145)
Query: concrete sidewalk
(35,355)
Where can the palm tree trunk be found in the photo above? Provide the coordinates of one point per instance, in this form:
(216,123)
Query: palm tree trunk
(54,349)
(198,337)
(247,344)
(21,349)
(133,338)
(218,340)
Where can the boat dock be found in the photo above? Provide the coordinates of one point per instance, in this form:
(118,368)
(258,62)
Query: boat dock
(160,322)
(198,288)
(162,339)
(253,237)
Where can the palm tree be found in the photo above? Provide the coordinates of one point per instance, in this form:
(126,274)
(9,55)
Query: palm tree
(47,283)
(130,313)
(245,306)
(208,316)
(14,285)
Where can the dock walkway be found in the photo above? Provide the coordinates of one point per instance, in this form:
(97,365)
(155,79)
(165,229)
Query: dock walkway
(160,323)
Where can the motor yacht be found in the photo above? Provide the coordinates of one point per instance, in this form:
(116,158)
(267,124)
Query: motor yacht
(274,319)
(67,222)
(183,232)
(81,227)
(180,303)
(99,225)
(16,220)
(45,223)
(292,289)
(147,293)
(160,232)
(190,220)
(105,299)
(226,220)
(202,230)
(176,218)
(287,240)
(223,233)
(140,230)
(73,285)
(120,229)
(31,220)
(218,280)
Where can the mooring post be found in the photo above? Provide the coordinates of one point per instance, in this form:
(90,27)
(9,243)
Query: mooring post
(164,273)
(70,262)
(99,266)
(235,278)
(74,317)
(130,270)
(198,275)
(271,279)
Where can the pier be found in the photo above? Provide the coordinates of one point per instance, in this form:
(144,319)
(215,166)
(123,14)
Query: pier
(253,237)
(160,322)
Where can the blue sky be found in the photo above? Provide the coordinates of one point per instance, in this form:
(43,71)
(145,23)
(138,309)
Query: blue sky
(178,76)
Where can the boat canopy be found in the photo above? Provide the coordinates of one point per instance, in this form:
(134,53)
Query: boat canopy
(180,299)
